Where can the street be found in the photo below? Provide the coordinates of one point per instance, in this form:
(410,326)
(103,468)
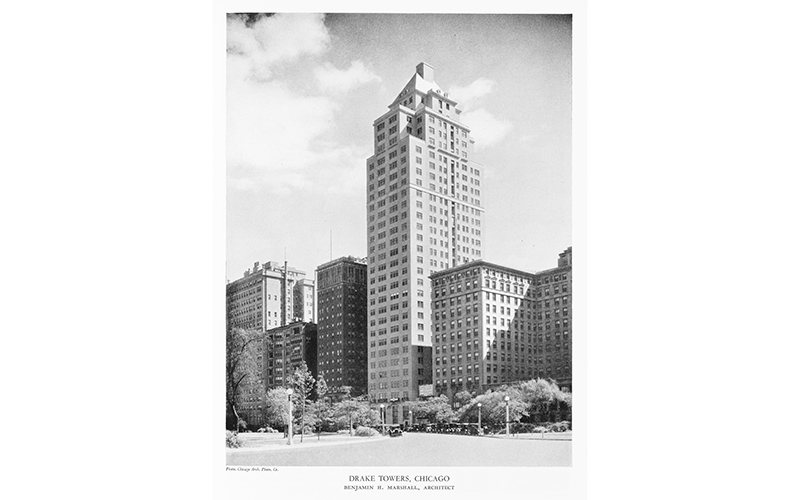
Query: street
(415,449)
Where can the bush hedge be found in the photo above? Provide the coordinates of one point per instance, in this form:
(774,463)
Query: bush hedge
(366,432)
(231,439)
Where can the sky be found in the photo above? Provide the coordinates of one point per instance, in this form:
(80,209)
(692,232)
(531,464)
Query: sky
(304,89)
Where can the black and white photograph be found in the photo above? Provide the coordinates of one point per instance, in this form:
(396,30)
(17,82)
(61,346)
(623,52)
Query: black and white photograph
(398,245)
(501,251)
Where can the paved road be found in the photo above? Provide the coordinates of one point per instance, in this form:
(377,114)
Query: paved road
(415,449)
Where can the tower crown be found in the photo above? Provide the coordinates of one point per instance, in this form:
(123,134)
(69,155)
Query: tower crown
(425,70)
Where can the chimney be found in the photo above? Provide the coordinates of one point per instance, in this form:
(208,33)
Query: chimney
(425,70)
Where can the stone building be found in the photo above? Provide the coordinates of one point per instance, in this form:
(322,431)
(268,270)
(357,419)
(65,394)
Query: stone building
(424,215)
(268,296)
(494,325)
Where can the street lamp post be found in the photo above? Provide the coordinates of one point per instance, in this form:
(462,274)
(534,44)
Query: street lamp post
(410,418)
(289,391)
(508,426)
(383,425)
(479,417)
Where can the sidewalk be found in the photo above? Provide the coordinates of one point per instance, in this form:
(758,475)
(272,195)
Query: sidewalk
(259,442)
(538,436)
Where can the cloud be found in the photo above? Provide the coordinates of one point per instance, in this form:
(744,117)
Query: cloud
(486,128)
(278,131)
(276,39)
(271,131)
(466,96)
(336,80)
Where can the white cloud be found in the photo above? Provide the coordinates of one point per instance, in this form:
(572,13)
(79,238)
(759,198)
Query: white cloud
(279,134)
(486,128)
(466,96)
(332,79)
(271,131)
(276,39)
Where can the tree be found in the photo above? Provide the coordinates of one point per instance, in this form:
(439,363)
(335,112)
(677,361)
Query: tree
(303,385)
(241,373)
(320,409)
(322,387)
(462,398)
(355,411)
(276,411)
(434,409)
(544,396)
(493,407)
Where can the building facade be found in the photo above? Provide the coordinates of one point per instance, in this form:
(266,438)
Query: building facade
(285,349)
(554,321)
(342,326)
(425,214)
(269,296)
(494,325)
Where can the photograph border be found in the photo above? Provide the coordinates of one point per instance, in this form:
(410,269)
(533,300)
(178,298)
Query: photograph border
(555,482)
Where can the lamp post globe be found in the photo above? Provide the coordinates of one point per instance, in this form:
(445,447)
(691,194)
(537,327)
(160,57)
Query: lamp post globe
(508,426)
(289,391)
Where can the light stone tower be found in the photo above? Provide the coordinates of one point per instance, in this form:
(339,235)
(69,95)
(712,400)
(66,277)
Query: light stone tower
(424,214)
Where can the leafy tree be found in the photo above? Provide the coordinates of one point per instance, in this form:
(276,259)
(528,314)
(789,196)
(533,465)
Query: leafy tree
(434,409)
(462,398)
(544,397)
(320,410)
(241,373)
(276,412)
(303,384)
(355,411)
(322,387)
(493,407)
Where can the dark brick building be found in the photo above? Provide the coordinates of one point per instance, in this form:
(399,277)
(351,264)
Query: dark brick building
(342,304)
(286,348)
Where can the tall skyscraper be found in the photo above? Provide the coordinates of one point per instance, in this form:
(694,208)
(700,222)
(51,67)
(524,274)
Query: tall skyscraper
(269,296)
(424,214)
(342,345)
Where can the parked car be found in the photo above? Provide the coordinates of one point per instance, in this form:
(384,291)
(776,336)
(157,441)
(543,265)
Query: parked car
(395,432)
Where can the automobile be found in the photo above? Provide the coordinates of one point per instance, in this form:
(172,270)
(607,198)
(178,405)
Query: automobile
(267,429)
(395,432)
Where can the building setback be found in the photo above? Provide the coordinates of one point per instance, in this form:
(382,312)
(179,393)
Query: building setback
(494,325)
(269,296)
(342,327)
(424,215)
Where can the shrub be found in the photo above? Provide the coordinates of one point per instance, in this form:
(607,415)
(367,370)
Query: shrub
(560,426)
(366,432)
(231,439)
